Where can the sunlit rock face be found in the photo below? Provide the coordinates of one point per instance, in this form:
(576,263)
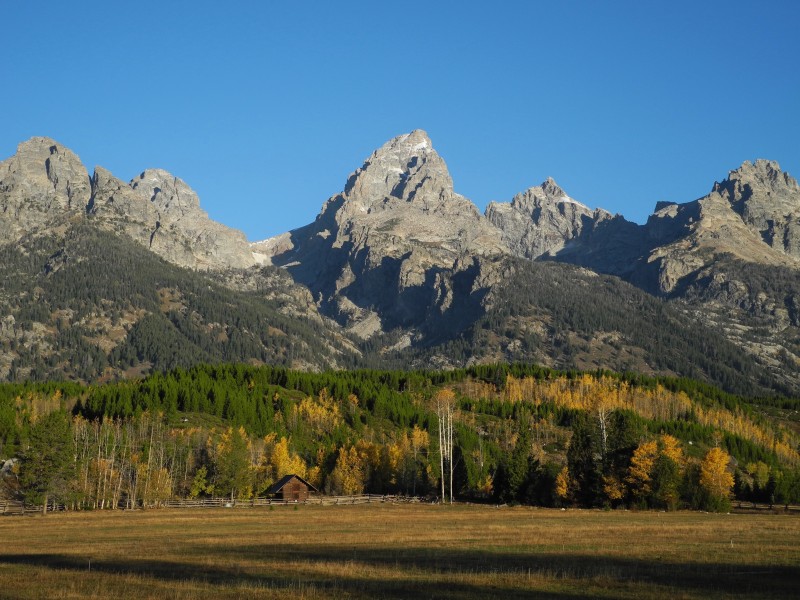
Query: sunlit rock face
(42,184)
(383,251)
(542,220)
(45,184)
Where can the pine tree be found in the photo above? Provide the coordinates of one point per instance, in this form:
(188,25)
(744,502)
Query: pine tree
(232,465)
(48,465)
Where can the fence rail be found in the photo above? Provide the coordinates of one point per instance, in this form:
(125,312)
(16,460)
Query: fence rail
(17,508)
(759,506)
(13,507)
(312,500)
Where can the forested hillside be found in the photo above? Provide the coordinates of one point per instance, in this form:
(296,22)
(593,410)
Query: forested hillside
(571,318)
(520,434)
(84,304)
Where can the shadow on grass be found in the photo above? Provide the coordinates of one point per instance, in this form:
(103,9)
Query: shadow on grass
(418,572)
(351,585)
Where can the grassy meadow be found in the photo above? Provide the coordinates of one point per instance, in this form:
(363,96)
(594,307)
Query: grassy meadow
(399,551)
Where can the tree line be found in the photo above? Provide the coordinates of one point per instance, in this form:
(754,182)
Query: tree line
(500,433)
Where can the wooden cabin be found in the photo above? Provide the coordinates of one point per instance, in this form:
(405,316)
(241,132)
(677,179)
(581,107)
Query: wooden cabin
(292,488)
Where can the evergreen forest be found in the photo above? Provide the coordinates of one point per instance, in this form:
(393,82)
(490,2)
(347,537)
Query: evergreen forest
(494,433)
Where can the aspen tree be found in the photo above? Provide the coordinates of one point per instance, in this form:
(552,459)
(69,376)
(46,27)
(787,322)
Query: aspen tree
(715,479)
(445,407)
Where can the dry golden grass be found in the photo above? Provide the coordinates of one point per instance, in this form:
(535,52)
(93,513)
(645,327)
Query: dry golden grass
(399,551)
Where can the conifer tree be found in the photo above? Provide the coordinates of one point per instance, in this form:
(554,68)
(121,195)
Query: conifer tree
(48,465)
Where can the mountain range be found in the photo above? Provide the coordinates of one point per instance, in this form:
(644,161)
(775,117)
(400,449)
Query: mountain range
(105,278)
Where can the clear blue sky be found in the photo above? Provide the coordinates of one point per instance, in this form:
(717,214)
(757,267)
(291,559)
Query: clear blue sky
(264,108)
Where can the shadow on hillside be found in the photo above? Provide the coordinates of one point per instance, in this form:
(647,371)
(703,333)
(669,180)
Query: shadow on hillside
(425,565)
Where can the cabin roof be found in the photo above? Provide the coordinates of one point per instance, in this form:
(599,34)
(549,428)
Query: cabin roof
(278,485)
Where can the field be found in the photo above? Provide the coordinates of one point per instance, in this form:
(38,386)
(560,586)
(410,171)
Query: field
(399,551)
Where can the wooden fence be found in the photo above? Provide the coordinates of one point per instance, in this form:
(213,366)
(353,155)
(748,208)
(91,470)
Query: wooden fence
(11,507)
(313,500)
(740,506)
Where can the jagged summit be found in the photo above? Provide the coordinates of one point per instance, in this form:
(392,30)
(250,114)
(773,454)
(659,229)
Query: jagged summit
(542,219)
(404,193)
(551,188)
(383,244)
(400,257)
(759,178)
(42,183)
(763,172)
(45,184)
(167,192)
(405,168)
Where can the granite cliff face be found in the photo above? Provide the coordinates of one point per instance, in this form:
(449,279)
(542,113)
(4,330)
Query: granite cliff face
(44,184)
(385,251)
(753,216)
(732,257)
(768,202)
(542,220)
(163,213)
(41,185)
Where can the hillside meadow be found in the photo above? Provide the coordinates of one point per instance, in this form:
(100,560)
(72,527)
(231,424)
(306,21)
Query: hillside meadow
(399,551)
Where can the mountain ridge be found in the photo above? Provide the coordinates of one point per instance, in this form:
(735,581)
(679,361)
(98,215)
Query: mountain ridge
(400,261)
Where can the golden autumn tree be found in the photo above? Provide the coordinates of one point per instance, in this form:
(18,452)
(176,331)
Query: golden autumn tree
(420,441)
(349,475)
(282,460)
(716,480)
(667,473)
(563,484)
(655,472)
(640,472)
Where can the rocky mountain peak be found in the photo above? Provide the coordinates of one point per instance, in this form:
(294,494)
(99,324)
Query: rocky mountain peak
(45,184)
(541,220)
(40,184)
(760,178)
(54,171)
(551,188)
(405,169)
(765,173)
(169,194)
(376,252)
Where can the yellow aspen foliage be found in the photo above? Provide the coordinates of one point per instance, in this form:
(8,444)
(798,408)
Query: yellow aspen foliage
(589,393)
(349,473)
(445,396)
(613,488)
(397,453)
(353,403)
(670,448)
(314,476)
(562,483)
(419,440)
(640,472)
(486,485)
(714,475)
(286,462)
(321,415)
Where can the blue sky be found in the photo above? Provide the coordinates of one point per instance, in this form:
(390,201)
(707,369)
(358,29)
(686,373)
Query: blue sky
(265,108)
